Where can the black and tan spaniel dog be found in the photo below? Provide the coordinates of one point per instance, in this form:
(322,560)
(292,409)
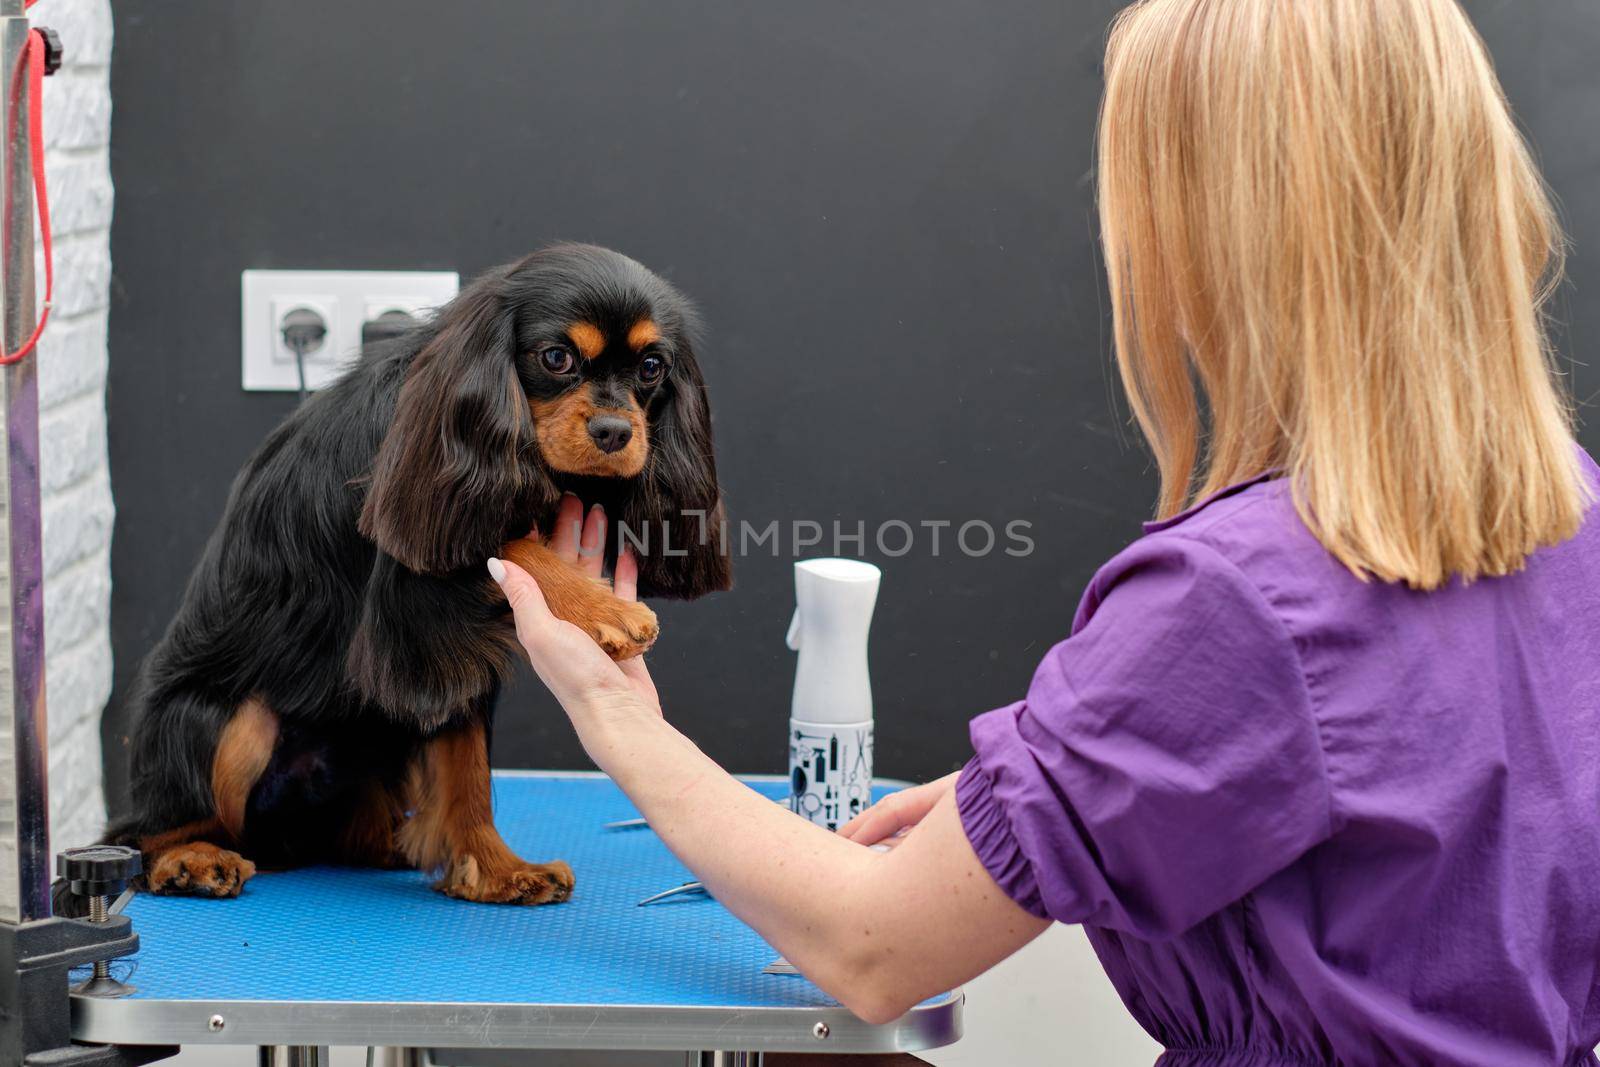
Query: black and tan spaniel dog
(326,691)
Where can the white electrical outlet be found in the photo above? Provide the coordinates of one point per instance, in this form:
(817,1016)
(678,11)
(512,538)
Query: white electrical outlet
(344,299)
(325,306)
(376,308)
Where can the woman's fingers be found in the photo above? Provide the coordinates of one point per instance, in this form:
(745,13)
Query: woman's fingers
(626,581)
(881,820)
(564,539)
(525,597)
(592,546)
(895,812)
(565,658)
(580,538)
(577,538)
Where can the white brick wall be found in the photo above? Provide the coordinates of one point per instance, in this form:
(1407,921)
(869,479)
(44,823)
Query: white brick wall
(72,422)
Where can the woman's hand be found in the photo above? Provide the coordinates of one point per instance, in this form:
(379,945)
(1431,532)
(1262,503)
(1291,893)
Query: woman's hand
(590,686)
(581,540)
(897,813)
(808,892)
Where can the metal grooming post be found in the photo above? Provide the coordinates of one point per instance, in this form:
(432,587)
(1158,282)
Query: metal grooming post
(24,793)
(37,950)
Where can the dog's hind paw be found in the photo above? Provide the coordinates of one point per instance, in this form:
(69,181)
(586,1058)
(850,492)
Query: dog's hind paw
(520,883)
(199,869)
(626,629)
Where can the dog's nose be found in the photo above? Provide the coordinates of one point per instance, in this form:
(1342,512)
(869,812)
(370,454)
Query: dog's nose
(610,433)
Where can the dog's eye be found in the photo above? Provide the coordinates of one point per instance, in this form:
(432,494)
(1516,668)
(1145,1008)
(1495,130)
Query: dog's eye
(651,368)
(557,360)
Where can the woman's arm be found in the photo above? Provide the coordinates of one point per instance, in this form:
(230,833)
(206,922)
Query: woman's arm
(878,931)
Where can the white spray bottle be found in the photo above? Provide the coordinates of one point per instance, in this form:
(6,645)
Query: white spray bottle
(830,724)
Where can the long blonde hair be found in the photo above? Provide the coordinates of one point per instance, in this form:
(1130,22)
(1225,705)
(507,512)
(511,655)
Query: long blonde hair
(1321,224)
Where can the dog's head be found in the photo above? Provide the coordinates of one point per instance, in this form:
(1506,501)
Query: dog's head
(574,366)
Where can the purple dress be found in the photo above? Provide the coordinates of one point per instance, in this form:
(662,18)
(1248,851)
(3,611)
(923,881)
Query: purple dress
(1310,820)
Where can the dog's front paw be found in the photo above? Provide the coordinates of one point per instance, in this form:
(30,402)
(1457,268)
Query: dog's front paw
(624,628)
(199,869)
(514,883)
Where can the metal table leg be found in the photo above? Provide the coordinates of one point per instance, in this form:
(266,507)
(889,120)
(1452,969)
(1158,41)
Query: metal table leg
(390,1056)
(294,1056)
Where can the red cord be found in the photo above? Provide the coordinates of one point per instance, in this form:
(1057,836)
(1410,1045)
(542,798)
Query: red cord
(32,59)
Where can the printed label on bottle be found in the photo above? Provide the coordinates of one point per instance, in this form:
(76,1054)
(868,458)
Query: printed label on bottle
(830,771)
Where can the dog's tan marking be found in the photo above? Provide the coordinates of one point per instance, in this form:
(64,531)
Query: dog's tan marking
(623,628)
(452,828)
(644,332)
(242,753)
(191,859)
(587,336)
(562,429)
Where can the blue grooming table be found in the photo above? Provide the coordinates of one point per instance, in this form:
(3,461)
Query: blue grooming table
(336,956)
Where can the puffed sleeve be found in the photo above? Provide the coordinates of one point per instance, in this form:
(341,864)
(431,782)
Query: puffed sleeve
(1166,760)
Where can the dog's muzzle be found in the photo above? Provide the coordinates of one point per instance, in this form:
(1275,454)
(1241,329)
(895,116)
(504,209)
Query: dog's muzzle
(610,433)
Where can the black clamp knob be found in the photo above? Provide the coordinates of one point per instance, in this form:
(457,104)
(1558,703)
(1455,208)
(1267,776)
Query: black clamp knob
(52,48)
(98,870)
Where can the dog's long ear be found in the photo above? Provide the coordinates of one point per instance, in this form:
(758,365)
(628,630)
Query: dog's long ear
(458,468)
(675,519)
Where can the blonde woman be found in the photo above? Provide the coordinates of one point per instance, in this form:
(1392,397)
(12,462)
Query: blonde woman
(1319,766)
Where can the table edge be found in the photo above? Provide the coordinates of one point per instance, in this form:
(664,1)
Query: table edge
(619,1027)
(428,1024)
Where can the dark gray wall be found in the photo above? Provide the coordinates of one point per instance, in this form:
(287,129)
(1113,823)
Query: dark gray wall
(884,209)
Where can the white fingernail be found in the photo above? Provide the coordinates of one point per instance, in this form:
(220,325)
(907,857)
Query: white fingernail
(497,570)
